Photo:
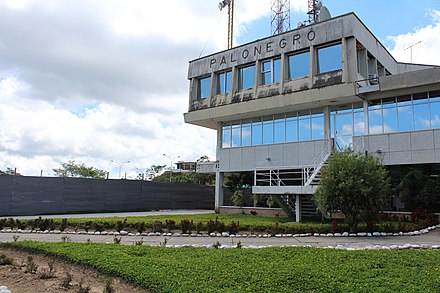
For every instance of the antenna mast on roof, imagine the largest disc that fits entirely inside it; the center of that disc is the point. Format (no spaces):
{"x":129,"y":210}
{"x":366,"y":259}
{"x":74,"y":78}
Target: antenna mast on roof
{"x":314,"y":7}
{"x":230,"y":4}
{"x":280,"y":21}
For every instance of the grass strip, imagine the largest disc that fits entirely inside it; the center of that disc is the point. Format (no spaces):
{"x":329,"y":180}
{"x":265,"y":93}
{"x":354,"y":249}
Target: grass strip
{"x":276,"y":269}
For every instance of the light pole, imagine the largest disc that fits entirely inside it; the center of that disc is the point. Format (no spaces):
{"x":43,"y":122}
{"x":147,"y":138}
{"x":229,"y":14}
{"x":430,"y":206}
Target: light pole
{"x":120,"y":166}
{"x":171,"y":163}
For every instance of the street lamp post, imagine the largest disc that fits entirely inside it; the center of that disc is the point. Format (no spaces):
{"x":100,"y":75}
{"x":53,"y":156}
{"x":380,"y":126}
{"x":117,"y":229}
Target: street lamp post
{"x":120,"y":166}
{"x":171,"y":164}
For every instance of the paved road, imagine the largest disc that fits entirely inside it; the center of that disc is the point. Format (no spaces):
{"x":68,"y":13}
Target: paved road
{"x":431,"y":238}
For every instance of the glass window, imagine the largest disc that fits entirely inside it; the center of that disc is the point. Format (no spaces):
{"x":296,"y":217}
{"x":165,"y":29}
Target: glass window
{"x":358,"y":123}
{"x":246,"y":134}
{"x":204,"y":88}
{"x":434,"y":96}
{"x":279,"y":130}
{"x":389,"y":120}
{"x":299,"y":65}
{"x":271,"y":71}
{"x":435,"y":115}
{"x":304,"y":128}
{"x":405,"y":118}
{"x":375,"y":121}
{"x":330,"y":58}
{"x":317,"y":126}
{"x":246,"y":77}
{"x":344,"y":124}
{"x":226,"y":137}
{"x":224,"y":82}
{"x":257,"y":133}
{"x":236,"y":135}
{"x":268,"y":131}
{"x":421,"y":117}
{"x":291,"y":129}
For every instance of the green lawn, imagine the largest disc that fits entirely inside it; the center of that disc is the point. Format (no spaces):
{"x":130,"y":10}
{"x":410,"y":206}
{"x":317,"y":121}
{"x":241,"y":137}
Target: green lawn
{"x":257,"y":270}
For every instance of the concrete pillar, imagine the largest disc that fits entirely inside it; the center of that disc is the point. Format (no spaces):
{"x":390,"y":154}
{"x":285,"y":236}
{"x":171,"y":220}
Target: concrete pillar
{"x":327,"y":124}
{"x":297,"y":208}
{"x":219,"y":178}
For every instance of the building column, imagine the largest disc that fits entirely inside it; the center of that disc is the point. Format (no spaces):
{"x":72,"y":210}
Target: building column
{"x":327,"y":129}
{"x":297,"y":208}
{"x":219,"y":178}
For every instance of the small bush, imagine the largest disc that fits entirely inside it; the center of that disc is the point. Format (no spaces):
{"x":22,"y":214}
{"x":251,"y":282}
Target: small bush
{"x":20,"y":225}
{"x":65,"y":238}
{"x":64,"y":224}
{"x":99,"y":227}
{"x":186,"y":226}
{"x":234,"y":227}
{"x":87,"y":225}
{"x":15,"y":238}
{"x":117,"y":240}
{"x":139,"y":242}
{"x":140,"y":227}
{"x":199,"y":227}
{"x":49,"y":272}
{"x":171,"y":225}
{"x":5,"y":260}
{"x":120,"y":225}
{"x":31,"y":266}
{"x":157,"y":226}
{"x":253,"y":213}
{"x":109,"y":287}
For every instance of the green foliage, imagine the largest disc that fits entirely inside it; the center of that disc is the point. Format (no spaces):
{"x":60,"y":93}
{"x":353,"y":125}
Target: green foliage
{"x":185,"y":177}
{"x":72,"y":169}
{"x":5,"y":260}
{"x":10,"y":171}
{"x":275,"y":269}
{"x":355,"y":184}
{"x":237,"y":198}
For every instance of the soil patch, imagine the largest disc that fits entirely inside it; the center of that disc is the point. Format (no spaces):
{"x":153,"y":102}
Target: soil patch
{"x":18,"y":280}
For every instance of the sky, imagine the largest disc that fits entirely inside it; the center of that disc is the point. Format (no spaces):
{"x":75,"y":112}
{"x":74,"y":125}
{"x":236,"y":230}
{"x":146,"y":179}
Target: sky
{"x":104,"y":82}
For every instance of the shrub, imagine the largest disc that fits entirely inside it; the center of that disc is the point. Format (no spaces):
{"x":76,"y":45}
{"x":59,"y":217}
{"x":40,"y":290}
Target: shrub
{"x":186,"y":226}
{"x":109,"y":287}
{"x":99,"y":227}
{"x":31,"y":266}
{"x":157,"y":226}
{"x":64,"y":224}
{"x":49,"y":272}
{"x":88,"y":225}
{"x":171,"y":225}
{"x":234,"y":227}
{"x":65,"y":281}
{"x":199,"y":227}
{"x":120,"y":225}
{"x":5,"y":260}
{"x":140,"y":227}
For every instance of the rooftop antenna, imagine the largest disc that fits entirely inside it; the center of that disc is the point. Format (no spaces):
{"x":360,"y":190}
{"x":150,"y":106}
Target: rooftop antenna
{"x":280,"y":21}
{"x":230,"y":4}
{"x":411,"y":47}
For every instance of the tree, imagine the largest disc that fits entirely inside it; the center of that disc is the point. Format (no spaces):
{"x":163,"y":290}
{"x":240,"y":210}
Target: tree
{"x":153,"y":171}
{"x":72,"y":169}
{"x":355,"y":184}
{"x":10,"y":171}
{"x":237,"y":184}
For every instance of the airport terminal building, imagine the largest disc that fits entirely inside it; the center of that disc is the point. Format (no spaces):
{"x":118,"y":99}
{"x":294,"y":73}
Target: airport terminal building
{"x":281,"y":104}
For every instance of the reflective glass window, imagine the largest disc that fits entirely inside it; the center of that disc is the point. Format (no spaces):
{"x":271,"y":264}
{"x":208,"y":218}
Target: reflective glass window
{"x":435,"y":115}
{"x":434,"y":96}
{"x":276,"y":70}
{"x":291,"y":129}
{"x":236,"y":135}
{"x":279,"y":130}
{"x":268,"y":132}
{"x":317,"y":126}
{"x":304,"y":128}
{"x":375,"y":121}
{"x":344,"y":124}
{"x":257,"y":133}
{"x":358,"y":123}
{"x":389,"y":120}
{"x":204,"y":88}
{"x":226,"y":137}
{"x":404,"y":100}
{"x":329,"y":58}
{"x":270,"y":71}
{"x":246,"y":134}
{"x":246,"y":77}
{"x":299,"y":65}
{"x":405,"y":118}
{"x":224,"y":80}
{"x":421,"y":117}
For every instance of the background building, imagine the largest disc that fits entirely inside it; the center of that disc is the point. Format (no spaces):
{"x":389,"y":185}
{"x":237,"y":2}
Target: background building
{"x":280,"y":105}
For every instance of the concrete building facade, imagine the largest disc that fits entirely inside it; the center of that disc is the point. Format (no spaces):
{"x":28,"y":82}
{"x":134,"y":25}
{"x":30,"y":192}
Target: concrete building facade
{"x":280,"y":104}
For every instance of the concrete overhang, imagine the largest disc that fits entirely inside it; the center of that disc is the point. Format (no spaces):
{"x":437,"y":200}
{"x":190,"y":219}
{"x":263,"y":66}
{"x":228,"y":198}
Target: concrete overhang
{"x":297,"y":101}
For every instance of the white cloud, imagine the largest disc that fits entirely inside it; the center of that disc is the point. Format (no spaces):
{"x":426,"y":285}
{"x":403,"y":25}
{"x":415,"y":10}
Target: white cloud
{"x":425,"y":52}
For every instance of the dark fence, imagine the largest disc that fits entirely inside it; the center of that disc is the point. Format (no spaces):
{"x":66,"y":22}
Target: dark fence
{"x":20,"y":195}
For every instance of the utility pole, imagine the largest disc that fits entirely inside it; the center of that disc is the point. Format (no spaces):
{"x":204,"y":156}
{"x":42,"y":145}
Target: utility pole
{"x":171,"y":164}
{"x":230,"y":5}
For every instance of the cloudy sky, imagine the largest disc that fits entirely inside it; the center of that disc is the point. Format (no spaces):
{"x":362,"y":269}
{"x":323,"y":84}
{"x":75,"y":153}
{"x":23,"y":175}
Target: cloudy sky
{"x":102,"y":80}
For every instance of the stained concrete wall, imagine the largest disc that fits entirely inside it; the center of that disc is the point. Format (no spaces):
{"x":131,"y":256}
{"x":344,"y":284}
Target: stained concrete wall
{"x":39,"y":195}
{"x":268,"y":156}
{"x":412,"y":147}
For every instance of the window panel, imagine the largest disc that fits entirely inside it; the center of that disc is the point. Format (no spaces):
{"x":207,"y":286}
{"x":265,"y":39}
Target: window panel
{"x":434,"y":96}
{"x":421,"y":117}
{"x":317,"y":126}
{"x":359,"y":123}
{"x":257,"y":133}
{"x":330,"y":58}
{"x":299,"y":65}
{"x":405,"y":118}
{"x":204,"y":88}
{"x":435,"y":115}
{"x":304,"y":128}
{"x":344,"y":124}
{"x":224,"y":82}
{"x":226,"y":137}
{"x":236,"y":136}
{"x":390,"y":120}
{"x":276,"y":70}
{"x":268,"y":132}
{"x":246,"y":134}
{"x":279,"y":130}
{"x":247,"y":77}
{"x":291,"y":130}
{"x":375,"y":121}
